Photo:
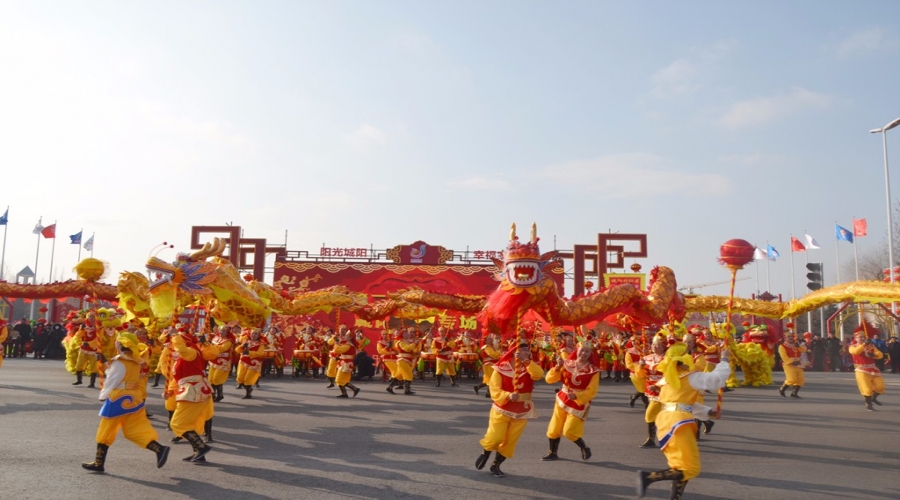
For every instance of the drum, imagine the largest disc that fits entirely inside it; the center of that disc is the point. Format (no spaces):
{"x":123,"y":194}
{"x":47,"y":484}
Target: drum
{"x":303,"y":354}
{"x":428,"y":356}
{"x":467,"y":357}
{"x":270,"y":353}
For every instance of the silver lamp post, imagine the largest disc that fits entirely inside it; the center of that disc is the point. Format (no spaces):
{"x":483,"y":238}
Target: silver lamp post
{"x":887,"y":186}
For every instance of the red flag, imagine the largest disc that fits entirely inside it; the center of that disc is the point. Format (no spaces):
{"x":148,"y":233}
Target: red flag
{"x":859,"y":227}
{"x":796,"y":246}
{"x":49,"y":231}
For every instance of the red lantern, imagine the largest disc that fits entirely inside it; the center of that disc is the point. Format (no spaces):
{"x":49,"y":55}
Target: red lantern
{"x":636,"y":267}
{"x":43,"y":309}
{"x":736,"y":253}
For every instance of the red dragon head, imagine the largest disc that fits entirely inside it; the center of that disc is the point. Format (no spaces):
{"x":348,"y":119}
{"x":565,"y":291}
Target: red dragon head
{"x":523,"y":267}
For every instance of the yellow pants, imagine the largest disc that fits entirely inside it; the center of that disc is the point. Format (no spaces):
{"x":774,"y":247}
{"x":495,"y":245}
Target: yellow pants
{"x":246,"y":376}
{"x":135,"y":427}
{"x":681,"y":451}
{"x":652,"y":411}
{"x":869,"y":385}
{"x":218,"y":377}
{"x":86,"y":363}
{"x":391,"y":365}
{"x":170,"y":403}
{"x":191,"y":416}
{"x":448,"y":367}
{"x":793,"y":375}
{"x":502,"y":434}
{"x":404,"y":371}
{"x":331,"y":371}
{"x":488,"y":371}
{"x":639,"y":383}
{"x":342,"y":378}
{"x":564,"y":424}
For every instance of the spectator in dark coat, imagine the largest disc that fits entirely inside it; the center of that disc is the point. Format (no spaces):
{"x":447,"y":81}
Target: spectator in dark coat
{"x":833,"y":349}
{"x":894,"y":351}
{"x":365,"y":366}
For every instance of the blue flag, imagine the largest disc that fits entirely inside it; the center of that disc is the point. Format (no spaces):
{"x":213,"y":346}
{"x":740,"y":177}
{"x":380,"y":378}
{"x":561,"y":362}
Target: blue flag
{"x":771,"y":253}
{"x":76,"y":238}
{"x":5,"y":218}
{"x":843,"y":234}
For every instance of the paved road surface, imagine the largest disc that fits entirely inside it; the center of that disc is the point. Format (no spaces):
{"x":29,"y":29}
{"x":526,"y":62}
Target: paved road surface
{"x":295,"y":440}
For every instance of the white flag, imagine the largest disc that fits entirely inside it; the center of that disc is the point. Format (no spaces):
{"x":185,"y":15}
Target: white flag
{"x":89,"y":244}
{"x":760,"y":254}
{"x":38,"y":228}
{"x":811,"y":243}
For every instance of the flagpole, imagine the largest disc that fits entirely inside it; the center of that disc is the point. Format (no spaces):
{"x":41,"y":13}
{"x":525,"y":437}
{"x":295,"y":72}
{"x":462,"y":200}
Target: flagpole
{"x":37,"y":254}
{"x":92,"y":245}
{"x":3,"y":258}
{"x":792,"y":267}
{"x":757,"y":278}
{"x":856,"y":259}
{"x":768,"y":281}
{"x":837,"y":247}
{"x":81,"y":232}
{"x":52,"y":253}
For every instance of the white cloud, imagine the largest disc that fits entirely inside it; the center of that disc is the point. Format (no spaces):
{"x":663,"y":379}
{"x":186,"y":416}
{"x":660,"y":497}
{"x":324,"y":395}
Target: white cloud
{"x":867,"y":41}
{"x":479,"y":183}
{"x":676,"y":78}
{"x":636,"y":175}
{"x":685,"y":75}
{"x":367,"y":136}
{"x":767,"y":109}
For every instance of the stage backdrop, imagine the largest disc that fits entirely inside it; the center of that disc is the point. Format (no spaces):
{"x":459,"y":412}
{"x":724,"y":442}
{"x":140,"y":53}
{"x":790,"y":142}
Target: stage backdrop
{"x":416,"y":265}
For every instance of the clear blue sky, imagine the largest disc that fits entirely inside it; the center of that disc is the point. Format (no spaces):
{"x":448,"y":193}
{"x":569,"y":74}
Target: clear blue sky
{"x":379,"y":123}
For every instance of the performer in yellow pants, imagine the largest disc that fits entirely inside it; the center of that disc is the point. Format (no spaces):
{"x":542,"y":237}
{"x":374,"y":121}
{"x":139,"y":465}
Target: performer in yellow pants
{"x":676,"y":427}
{"x":443,"y":348}
{"x":490,"y":353}
{"x":790,"y":351}
{"x":407,"y":351}
{"x":580,"y":375}
{"x":4,"y":333}
{"x":511,"y":386}
{"x":193,"y":399}
{"x":252,"y":352}
{"x":649,"y":371}
{"x":387,"y":350}
{"x":868,"y":377}
{"x":123,"y":406}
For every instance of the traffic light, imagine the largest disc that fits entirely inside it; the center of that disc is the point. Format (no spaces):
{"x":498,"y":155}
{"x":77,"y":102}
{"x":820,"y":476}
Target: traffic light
{"x":815,"y":276}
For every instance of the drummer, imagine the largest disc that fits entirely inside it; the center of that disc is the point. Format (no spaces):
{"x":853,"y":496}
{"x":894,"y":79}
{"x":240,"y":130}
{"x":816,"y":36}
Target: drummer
{"x":305,"y":346}
{"x":443,"y":348}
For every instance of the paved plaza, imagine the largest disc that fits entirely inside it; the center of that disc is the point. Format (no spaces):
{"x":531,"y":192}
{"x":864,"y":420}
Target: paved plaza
{"x":295,"y":440}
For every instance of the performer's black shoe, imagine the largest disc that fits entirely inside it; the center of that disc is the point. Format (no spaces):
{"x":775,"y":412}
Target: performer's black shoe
{"x":875,"y":399}
{"x":99,"y":459}
{"x":585,"y":451}
{"x":343,"y":393}
{"x":869,"y":403}
{"x":708,"y":424}
{"x":782,"y":389}
{"x":495,"y":467}
{"x":482,"y":459}
{"x":645,"y":479}
{"x":554,"y":448}
{"x":795,"y":391}
{"x":634,"y":397}
{"x":162,"y":453}
{"x":354,"y":389}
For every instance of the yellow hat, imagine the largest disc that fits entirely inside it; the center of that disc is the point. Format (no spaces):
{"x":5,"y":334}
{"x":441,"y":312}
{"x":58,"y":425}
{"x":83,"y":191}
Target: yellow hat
{"x":669,"y":366}
{"x":129,"y":341}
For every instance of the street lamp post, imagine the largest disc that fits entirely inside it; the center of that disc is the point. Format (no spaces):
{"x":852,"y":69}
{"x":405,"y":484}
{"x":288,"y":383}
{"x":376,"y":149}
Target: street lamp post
{"x":887,"y":186}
